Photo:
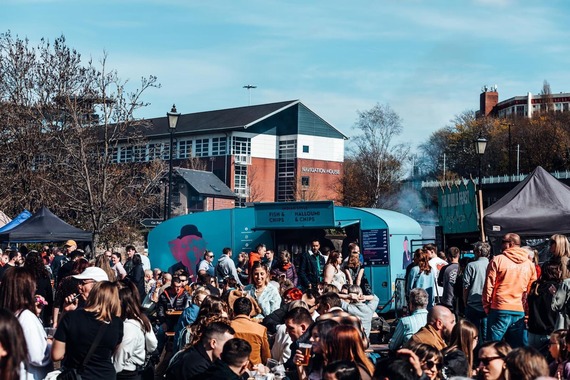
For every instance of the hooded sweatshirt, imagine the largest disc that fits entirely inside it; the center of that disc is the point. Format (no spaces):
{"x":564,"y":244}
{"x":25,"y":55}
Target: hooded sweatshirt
{"x":509,"y":276}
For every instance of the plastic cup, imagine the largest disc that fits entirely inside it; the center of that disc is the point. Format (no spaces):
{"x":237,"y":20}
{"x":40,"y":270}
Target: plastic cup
{"x":50,"y":331}
{"x":306,"y":350}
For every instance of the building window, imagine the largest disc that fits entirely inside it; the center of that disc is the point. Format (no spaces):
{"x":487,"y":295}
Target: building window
{"x":286,"y":171}
{"x":240,"y":184}
{"x":305,"y":181}
{"x":202,"y":148}
{"x":140,"y":153}
{"x":184,"y":148}
{"x":154,"y":151}
{"x":165,"y":151}
{"x":241,"y":146}
{"x":564,"y":107}
{"x":126,"y":154}
{"x":305,"y":149}
{"x":218,"y":146}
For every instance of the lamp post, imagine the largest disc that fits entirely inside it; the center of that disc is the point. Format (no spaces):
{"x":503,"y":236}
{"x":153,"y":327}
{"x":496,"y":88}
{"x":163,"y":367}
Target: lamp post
{"x":172,"y":121}
{"x":480,"y":146}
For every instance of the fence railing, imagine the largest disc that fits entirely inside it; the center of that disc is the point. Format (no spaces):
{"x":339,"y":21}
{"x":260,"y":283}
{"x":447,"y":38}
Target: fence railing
{"x":495,"y":179}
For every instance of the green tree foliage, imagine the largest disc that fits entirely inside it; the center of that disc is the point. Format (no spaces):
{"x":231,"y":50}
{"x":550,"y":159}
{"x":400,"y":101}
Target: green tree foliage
{"x":373,"y":167}
{"x":61,"y":122}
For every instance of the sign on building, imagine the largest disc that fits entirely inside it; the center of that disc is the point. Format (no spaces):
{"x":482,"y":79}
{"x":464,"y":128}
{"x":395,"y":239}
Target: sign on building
{"x":458,"y":208}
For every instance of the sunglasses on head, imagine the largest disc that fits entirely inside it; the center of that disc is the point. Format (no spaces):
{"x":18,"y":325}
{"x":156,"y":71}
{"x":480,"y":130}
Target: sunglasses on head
{"x":431,"y":364}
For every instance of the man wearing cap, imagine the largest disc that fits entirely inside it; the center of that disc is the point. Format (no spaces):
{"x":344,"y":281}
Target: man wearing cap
{"x":87,"y":279}
{"x":69,"y":246}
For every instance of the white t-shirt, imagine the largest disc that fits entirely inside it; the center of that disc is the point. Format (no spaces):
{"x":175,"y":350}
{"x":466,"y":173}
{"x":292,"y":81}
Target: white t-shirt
{"x":436,"y":264}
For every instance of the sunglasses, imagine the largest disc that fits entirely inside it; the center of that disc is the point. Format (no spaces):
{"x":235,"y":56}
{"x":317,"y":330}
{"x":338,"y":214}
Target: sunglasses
{"x":210,"y":256}
{"x":486,"y":361}
{"x":431,"y":364}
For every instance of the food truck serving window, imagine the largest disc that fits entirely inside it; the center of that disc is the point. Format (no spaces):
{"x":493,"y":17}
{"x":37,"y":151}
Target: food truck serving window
{"x":375,"y":247}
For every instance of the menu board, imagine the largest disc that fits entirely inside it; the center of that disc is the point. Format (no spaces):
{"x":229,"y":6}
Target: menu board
{"x":375,"y":247}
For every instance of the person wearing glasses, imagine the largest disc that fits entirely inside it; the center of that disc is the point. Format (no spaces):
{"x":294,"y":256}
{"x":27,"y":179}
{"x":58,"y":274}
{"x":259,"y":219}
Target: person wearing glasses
{"x":492,"y":360}
{"x":431,"y":360}
{"x":87,"y":280}
{"x":206,"y":264}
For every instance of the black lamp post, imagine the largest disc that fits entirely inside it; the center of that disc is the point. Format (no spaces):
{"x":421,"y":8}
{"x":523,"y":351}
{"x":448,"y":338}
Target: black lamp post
{"x":172,"y":121}
{"x":480,"y":146}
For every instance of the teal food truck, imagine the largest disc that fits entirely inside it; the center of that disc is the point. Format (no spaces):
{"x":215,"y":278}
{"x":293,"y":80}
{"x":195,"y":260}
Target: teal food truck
{"x":385,"y":237}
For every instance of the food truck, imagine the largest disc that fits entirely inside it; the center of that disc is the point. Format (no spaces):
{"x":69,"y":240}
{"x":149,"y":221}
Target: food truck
{"x":385,"y":237}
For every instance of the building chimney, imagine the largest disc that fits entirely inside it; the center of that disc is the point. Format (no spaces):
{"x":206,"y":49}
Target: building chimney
{"x":487,"y":101}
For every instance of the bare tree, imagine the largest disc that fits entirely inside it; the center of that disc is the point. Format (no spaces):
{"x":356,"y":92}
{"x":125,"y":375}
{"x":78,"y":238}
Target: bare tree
{"x":376,"y":161}
{"x":72,"y":122}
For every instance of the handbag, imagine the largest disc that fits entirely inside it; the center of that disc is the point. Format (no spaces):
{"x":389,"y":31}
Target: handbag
{"x":75,"y":373}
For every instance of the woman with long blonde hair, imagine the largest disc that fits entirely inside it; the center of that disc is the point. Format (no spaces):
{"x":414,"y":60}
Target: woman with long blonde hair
{"x":560,"y":251}
{"x":78,"y":330}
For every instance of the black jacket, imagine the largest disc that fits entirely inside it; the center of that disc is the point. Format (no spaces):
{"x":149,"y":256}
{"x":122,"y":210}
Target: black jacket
{"x":308,"y":270}
{"x":168,"y":300}
{"x":217,"y":371}
{"x":188,"y":363}
{"x":541,"y":318}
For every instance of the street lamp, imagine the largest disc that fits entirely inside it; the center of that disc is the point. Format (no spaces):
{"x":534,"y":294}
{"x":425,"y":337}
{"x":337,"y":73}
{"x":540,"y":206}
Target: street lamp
{"x":480,"y":146}
{"x":172,"y":121}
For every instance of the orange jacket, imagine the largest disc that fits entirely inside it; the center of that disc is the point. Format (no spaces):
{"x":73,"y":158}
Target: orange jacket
{"x":509,"y":276}
{"x":253,"y":257}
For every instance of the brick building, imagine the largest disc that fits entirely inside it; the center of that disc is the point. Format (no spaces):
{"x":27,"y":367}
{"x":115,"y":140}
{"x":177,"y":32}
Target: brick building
{"x":520,"y":106}
{"x":263,"y":153}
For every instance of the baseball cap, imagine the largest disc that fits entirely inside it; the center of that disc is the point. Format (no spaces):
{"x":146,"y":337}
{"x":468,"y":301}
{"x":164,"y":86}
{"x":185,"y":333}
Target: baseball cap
{"x":70,"y":243}
{"x":92,"y":273}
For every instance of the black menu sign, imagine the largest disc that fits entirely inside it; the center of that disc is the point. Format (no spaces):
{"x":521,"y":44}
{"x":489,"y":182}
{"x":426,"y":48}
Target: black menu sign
{"x":375,"y":247}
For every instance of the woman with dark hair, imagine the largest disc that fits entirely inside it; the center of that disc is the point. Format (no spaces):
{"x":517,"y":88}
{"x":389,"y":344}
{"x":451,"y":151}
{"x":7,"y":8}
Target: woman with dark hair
{"x":318,"y":332}
{"x":136,"y":275}
{"x":35,"y":264}
{"x":558,"y":353}
{"x":431,"y":360}
{"x":13,"y":348}
{"x":266,"y":295}
{"x":344,"y":342}
{"x":67,"y":286}
{"x":285,"y":268}
{"x":17,"y":294}
{"x":492,"y":360}
{"x":542,"y":320}
{"x":421,"y":276}
{"x":79,"y":329}
{"x":138,"y":338}
{"x":333,"y":273}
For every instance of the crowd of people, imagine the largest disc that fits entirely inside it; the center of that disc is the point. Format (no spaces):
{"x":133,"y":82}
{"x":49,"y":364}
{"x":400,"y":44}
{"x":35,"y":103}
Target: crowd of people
{"x":269,"y":315}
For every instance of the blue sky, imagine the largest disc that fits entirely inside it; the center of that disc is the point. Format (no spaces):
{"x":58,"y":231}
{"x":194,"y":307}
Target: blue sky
{"x":426,"y":59}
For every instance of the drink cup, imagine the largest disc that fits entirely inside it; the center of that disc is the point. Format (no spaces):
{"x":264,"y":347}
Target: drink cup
{"x":49,"y":332}
{"x":306,"y":350}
